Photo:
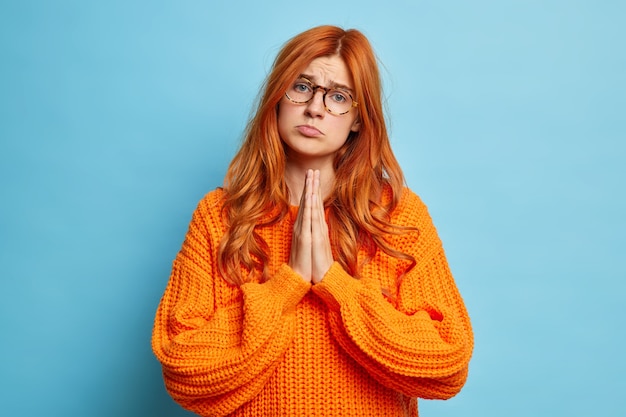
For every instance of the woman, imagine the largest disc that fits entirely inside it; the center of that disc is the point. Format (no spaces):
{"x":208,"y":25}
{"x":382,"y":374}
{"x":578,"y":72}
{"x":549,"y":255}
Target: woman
{"x":313,"y":283}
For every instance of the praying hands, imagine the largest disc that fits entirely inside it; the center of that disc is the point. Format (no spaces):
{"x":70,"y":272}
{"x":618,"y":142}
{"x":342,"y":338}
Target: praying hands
{"x":311,"y":256}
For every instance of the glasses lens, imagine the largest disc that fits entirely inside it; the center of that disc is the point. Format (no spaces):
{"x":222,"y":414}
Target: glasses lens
{"x":301,"y":91}
{"x":338,"y":101}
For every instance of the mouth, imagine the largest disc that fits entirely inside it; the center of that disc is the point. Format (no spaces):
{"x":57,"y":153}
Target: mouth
{"x":309,"y":131}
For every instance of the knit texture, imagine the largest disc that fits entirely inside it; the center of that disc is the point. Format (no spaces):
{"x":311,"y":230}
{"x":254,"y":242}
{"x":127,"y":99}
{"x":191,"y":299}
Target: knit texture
{"x":343,"y":347}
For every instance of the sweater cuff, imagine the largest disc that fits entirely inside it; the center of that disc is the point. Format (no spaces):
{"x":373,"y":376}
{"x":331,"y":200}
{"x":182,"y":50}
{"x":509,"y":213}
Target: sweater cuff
{"x":337,"y":287}
{"x":287,"y":285}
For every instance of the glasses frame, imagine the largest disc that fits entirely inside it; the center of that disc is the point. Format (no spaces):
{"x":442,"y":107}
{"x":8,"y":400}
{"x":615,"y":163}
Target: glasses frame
{"x":316,"y":87}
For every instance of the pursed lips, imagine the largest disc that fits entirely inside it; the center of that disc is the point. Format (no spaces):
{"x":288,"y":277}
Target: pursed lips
{"x":308,"y":130}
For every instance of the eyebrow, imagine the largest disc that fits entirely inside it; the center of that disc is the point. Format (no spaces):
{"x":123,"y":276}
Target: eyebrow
{"x":332,"y":83}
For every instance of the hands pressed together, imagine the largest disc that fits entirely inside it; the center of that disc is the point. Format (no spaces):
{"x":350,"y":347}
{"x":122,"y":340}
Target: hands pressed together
{"x":311,"y":255}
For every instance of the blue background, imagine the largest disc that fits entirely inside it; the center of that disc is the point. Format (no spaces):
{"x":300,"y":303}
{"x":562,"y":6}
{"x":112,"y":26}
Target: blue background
{"x":116,"y":117}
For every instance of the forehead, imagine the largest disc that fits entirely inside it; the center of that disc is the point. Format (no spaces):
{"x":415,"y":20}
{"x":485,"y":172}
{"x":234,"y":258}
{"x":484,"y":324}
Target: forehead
{"x":329,"y":71}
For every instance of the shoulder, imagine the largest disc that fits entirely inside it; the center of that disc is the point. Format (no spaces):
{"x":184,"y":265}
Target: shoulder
{"x":412,"y":213}
{"x":210,"y":209}
{"x":213,"y":200}
{"x":411,"y":210}
{"x":410,"y":198}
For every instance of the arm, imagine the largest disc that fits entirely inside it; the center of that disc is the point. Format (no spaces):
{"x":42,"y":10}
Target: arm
{"x":421,"y":343}
{"x":218,"y":344}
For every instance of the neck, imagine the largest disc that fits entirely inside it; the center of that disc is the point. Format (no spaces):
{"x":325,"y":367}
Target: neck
{"x":295,"y":173}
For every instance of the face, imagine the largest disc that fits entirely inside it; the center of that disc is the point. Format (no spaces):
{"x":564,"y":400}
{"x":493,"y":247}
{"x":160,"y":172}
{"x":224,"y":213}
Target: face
{"x":308,"y":130}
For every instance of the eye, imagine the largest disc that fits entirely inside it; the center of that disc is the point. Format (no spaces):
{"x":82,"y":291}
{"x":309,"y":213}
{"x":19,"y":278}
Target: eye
{"x":339,"y":96}
{"x":302,"y":87}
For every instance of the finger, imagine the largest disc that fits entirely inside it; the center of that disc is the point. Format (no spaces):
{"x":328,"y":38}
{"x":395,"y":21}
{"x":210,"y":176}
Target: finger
{"x":319,"y":219}
{"x":306,"y":186}
{"x":317,"y":191}
{"x":315,"y":181}
{"x":307,"y":204}
{"x":303,"y":193}
{"x":321,"y":252}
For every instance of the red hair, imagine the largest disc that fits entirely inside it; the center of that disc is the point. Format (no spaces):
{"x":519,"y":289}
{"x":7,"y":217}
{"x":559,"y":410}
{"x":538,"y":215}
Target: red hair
{"x":254,"y":185}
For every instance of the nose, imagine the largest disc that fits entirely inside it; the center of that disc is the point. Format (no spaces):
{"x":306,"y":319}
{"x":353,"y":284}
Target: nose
{"x":315,"y":107}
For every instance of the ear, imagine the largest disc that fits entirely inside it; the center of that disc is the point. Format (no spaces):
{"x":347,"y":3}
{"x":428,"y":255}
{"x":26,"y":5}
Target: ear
{"x":356,"y":125}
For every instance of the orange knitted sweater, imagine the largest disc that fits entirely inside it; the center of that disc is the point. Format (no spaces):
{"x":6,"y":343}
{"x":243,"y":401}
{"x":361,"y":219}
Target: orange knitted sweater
{"x":343,"y":347}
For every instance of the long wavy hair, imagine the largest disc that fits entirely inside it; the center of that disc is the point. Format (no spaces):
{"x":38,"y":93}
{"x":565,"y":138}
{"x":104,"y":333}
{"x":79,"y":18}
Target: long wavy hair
{"x":256,"y":194}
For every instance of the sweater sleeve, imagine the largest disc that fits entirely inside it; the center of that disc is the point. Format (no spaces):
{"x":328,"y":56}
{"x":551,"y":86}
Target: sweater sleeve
{"x":419,"y":343}
{"x":217,"y":352}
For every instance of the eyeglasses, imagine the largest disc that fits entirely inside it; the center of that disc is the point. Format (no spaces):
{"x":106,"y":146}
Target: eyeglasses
{"x":339,"y":100}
